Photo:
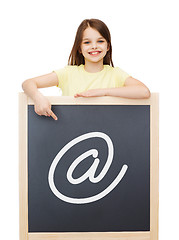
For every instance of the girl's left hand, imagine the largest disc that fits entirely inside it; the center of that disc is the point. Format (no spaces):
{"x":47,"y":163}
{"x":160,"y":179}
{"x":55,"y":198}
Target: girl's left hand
{"x":91,"y":93}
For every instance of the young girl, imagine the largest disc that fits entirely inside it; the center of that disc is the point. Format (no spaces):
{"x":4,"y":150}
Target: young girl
{"x":90,"y":71}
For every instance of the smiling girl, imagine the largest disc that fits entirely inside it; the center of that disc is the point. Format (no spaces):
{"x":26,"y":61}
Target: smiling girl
{"x":90,"y":71}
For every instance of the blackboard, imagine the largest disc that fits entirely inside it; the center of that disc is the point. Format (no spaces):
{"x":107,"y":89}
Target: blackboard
{"x":124,"y":208}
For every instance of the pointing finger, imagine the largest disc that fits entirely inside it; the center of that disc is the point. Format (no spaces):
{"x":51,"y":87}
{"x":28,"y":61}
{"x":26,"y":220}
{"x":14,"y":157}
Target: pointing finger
{"x":53,"y":115}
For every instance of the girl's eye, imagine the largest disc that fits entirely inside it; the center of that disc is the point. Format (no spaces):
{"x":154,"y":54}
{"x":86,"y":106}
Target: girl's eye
{"x":100,"y":41}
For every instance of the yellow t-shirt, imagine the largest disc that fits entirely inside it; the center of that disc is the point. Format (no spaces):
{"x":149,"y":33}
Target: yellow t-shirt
{"x":75,"y":79}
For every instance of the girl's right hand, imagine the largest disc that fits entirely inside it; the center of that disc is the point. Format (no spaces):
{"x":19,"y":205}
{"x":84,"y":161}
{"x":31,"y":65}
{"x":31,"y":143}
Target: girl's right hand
{"x":42,"y":106}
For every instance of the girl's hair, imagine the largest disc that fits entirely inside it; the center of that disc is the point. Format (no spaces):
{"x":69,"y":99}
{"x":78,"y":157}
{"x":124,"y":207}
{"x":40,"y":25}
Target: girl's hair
{"x":76,"y":58}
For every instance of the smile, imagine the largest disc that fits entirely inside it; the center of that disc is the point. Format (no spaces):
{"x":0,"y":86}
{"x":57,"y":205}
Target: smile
{"x":95,"y":53}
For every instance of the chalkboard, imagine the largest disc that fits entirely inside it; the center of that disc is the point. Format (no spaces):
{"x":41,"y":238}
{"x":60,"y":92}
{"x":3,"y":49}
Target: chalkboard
{"x":114,"y":195}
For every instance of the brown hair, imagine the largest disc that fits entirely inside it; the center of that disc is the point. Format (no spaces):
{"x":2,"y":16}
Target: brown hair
{"x":76,"y":58}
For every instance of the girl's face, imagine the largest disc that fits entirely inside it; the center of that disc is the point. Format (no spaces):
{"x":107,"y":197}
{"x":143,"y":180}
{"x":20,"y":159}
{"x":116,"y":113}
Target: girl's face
{"x":93,"y":47}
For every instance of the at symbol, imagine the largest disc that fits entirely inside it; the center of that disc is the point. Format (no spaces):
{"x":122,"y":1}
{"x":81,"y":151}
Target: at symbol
{"x":91,"y":171}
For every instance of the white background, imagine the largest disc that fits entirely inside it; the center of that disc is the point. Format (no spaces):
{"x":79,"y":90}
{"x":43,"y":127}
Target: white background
{"x":37,"y":37}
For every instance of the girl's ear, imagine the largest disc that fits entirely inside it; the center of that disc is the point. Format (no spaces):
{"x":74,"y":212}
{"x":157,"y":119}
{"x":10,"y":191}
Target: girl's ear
{"x":108,"y":47}
{"x":79,"y":50}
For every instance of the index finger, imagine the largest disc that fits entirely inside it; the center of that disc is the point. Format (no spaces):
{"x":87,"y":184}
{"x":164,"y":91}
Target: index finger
{"x":53,"y":115}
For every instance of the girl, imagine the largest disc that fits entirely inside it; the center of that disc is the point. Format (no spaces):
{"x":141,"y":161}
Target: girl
{"x":90,"y":71}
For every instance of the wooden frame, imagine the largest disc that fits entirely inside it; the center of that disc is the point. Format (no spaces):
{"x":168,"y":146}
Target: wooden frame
{"x":153,"y":101}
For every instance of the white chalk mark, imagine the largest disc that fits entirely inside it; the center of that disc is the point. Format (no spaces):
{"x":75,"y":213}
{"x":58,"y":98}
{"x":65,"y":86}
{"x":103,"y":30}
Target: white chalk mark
{"x":88,"y":174}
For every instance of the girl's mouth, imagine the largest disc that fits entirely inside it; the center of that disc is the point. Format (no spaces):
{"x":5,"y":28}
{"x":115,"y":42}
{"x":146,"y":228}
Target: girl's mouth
{"x":94,"y":53}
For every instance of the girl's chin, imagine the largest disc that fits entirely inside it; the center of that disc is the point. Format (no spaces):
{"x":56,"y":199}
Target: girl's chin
{"x":94,"y":59}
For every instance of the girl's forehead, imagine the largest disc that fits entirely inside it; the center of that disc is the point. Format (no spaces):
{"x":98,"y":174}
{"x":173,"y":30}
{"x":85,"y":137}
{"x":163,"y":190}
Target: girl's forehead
{"x":91,"y":33}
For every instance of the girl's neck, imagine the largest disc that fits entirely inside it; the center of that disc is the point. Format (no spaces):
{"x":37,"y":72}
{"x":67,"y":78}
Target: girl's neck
{"x":93,"y":67}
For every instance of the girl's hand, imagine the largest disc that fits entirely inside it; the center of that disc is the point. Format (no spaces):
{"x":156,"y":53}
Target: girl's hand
{"x":43,"y":107}
{"x":92,"y":93}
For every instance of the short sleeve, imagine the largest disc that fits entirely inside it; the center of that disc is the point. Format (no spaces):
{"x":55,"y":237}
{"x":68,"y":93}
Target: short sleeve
{"x":62,"y":76}
{"x":120,"y":77}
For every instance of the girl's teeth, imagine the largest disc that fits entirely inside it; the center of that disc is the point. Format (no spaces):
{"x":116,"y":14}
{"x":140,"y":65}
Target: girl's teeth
{"x":94,"y":52}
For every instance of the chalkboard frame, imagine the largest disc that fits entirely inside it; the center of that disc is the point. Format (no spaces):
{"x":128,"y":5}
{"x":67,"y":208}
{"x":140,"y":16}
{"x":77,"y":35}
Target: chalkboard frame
{"x":153,"y":101}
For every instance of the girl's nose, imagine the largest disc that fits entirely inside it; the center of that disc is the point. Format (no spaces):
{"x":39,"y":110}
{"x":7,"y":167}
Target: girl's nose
{"x":94,"y":46}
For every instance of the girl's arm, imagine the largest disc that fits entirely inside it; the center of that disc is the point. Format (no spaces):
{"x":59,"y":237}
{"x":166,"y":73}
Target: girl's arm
{"x":41,"y":104}
{"x":132,"y":88}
